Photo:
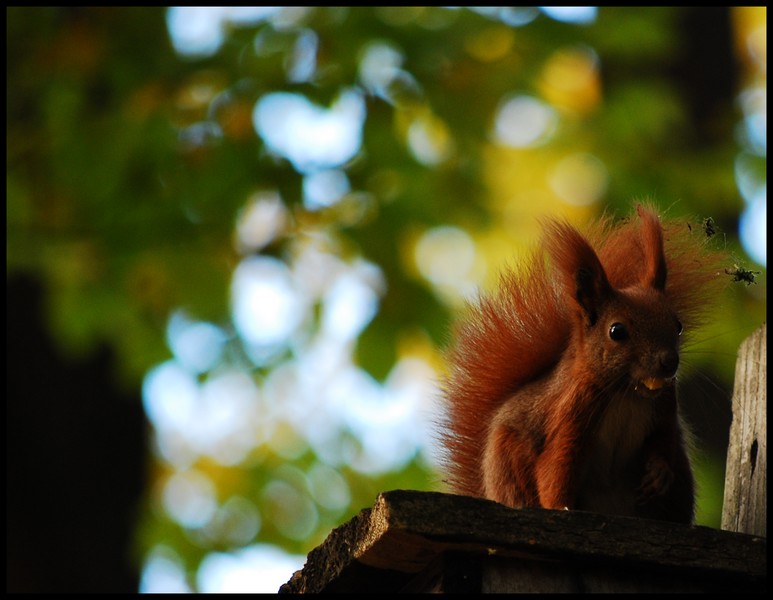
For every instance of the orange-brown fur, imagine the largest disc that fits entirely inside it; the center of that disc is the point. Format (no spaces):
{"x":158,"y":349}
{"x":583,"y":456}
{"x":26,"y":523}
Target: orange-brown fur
{"x":545,"y":407}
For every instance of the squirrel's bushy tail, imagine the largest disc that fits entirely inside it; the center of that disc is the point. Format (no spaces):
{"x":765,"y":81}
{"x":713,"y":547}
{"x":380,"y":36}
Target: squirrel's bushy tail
{"x":522,"y":330}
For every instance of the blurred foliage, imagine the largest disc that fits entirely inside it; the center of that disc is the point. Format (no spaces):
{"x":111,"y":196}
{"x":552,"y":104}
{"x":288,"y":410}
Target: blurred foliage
{"x":126,"y":220}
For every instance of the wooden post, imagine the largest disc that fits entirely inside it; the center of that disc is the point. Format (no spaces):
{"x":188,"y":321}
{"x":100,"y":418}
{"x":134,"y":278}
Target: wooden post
{"x":745,"y":503}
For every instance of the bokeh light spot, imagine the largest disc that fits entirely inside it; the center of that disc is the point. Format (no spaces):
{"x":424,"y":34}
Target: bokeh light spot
{"x":189,"y":498}
{"x":267,"y":306}
{"x":579,"y":179}
{"x":523,"y":121}
{"x":446,"y":256}
{"x":309,"y":136}
{"x":260,"y":568}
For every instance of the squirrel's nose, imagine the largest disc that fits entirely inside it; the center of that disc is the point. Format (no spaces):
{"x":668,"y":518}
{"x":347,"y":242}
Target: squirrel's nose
{"x":668,"y":362}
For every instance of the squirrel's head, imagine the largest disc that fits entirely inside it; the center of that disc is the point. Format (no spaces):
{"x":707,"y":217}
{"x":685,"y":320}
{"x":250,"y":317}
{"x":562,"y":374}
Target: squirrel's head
{"x":627,"y":336}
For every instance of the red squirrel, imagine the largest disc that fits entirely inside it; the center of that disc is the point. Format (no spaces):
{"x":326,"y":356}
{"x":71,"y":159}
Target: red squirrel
{"x":561,"y":391}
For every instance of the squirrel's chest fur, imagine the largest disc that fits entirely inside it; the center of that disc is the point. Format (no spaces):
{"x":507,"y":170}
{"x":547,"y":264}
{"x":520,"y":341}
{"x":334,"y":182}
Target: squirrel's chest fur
{"x":613,"y":459}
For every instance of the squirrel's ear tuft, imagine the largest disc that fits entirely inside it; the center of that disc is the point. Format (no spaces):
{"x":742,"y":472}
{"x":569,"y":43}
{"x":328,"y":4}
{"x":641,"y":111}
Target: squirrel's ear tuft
{"x":578,"y":268}
{"x":651,"y":232}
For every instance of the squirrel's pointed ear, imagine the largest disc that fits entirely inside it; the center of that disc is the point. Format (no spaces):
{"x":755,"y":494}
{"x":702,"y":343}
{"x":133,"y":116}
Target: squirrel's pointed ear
{"x":654,"y":271}
{"x":578,"y":267}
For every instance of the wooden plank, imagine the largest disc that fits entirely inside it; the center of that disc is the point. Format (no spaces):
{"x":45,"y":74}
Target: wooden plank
{"x":397,"y":541}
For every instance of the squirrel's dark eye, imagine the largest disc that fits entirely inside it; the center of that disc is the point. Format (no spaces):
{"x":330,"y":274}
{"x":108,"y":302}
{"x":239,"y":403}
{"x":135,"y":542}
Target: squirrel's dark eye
{"x":679,"y":327}
{"x":618,"y":332}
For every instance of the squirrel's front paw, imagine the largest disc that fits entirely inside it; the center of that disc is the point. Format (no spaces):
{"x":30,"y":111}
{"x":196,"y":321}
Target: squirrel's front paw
{"x":658,"y":477}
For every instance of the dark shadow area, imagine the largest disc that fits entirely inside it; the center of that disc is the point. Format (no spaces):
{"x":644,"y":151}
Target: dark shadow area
{"x":75,"y":461}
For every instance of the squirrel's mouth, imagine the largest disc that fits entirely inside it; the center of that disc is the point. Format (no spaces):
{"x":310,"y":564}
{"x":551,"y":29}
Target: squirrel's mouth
{"x":653,"y":384}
